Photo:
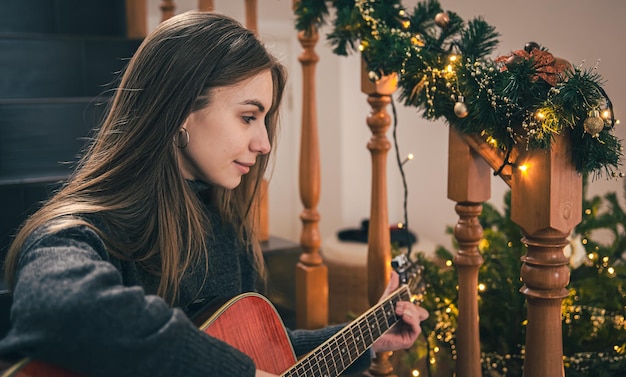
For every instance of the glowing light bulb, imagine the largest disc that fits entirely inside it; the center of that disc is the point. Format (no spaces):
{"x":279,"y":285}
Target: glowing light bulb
{"x":415,"y":373}
{"x":481,"y":287}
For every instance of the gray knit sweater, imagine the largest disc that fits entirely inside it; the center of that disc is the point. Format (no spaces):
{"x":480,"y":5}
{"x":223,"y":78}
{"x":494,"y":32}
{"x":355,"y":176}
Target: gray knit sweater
{"x":76,"y":306}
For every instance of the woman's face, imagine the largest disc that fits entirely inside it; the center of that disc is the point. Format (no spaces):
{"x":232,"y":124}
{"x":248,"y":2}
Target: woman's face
{"x":226,"y":137}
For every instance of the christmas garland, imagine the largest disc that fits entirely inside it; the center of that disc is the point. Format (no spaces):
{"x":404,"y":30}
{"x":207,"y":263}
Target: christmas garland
{"x":524,"y":99}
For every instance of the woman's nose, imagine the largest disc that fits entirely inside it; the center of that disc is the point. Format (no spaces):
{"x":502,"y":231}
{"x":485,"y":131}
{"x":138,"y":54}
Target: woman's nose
{"x":261,"y":142}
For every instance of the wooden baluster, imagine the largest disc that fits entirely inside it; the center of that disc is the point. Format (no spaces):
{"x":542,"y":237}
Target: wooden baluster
{"x":262,"y":198}
{"x":167,"y":9}
{"x":206,"y":5}
{"x":251,"y":15}
{"x":136,"y":19}
{"x":546,"y":202}
{"x":311,"y":272}
{"x":469,"y":184}
{"x":379,"y":240}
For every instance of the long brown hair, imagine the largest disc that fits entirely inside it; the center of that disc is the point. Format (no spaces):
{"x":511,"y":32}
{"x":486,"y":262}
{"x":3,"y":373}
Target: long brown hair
{"x":129,"y":175}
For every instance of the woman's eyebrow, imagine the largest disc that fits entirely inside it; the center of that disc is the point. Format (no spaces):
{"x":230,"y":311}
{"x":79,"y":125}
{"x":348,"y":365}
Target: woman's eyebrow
{"x":254,"y":102}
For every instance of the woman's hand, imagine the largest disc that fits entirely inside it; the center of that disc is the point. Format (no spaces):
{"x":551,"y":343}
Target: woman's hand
{"x":405,"y":332}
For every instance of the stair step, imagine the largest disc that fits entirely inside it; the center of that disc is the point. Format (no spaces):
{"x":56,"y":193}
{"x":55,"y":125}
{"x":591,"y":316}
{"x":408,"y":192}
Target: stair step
{"x":41,"y":66}
{"x":64,"y":17}
{"x":42,"y":138}
{"x":17,"y":202}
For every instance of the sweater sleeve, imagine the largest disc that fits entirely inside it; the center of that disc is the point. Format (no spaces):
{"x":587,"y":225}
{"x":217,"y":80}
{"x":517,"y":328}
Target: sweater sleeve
{"x":71,"y":309}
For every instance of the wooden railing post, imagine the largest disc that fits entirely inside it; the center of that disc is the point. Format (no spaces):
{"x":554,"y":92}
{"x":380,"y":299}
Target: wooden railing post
{"x":469,"y":184}
{"x":136,"y":19}
{"x":167,"y":9}
{"x":206,"y":5}
{"x":251,"y":15}
{"x":379,"y":240}
{"x":311,"y":272}
{"x":546,"y":202}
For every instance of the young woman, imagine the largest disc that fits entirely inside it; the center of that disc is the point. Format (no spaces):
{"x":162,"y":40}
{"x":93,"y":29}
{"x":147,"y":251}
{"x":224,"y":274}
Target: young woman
{"x":157,"y":216}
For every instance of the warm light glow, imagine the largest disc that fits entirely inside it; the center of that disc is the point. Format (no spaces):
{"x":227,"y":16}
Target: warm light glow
{"x":523,"y":168}
{"x":400,"y":225}
{"x":591,"y":256}
{"x":453,"y":58}
{"x":406,"y":24}
{"x":415,"y":373}
{"x":588,"y":211}
{"x":448,"y":263}
{"x":436,"y":349}
{"x":410,"y":156}
{"x":611,"y":270}
{"x":481,"y":287}
{"x":540,"y":116}
{"x":606,"y":114}
{"x":361,"y":47}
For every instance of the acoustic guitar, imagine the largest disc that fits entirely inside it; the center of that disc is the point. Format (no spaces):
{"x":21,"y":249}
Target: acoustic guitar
{"x":250,"y":323}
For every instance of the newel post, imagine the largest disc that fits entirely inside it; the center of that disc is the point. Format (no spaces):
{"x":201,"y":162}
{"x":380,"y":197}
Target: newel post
{"x":546,"y":202}
{"x":379,"y":240}
{"x":469,"y":184}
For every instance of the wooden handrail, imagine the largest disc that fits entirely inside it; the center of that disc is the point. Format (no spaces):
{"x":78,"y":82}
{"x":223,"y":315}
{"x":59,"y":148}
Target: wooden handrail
{"x":494,"y":157}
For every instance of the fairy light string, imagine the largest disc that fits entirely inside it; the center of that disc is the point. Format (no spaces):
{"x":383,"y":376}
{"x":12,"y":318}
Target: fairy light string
{"x":521,"y":100}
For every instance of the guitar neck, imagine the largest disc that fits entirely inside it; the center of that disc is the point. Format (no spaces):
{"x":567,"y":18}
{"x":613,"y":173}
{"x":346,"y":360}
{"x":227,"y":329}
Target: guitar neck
{"x":335,"y":355}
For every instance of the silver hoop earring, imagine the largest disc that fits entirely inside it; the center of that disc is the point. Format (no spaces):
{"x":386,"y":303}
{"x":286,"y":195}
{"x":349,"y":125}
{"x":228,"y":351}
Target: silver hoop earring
{"x":183,"y":136}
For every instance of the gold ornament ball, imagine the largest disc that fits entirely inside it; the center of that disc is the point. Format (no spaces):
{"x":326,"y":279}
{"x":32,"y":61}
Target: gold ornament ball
{"x":460,"y":109}
{"x":593,"y":125}
{"x":442,"y":19}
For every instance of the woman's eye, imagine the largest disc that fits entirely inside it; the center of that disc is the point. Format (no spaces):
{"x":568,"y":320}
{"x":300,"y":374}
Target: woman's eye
{"x":248,"y":119}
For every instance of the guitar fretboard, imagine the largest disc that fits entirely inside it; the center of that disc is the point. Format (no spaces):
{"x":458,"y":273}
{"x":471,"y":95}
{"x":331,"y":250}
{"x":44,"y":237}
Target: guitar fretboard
{"x":339,"y":352}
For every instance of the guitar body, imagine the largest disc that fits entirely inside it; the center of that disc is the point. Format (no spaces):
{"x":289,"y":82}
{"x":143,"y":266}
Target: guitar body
{"x":248,"y":322}
{"x":32,"y":368}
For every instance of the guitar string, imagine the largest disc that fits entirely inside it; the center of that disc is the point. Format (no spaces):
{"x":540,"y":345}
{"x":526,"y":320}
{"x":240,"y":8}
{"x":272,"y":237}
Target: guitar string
{"x":318,"y":361}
